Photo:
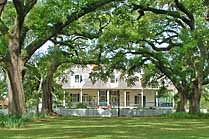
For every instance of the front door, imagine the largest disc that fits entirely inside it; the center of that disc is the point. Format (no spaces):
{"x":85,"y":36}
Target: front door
{"x":102,"y":98}
{"x":144,"y":101}
{"x":114,"y":98}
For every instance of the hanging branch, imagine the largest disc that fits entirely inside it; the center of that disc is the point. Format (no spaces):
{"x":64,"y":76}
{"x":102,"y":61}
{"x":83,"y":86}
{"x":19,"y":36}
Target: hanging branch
{"x":2,"y":4}
{"x":187,"y":19}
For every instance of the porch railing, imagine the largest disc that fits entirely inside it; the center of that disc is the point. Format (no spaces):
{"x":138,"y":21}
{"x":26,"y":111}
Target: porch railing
{"x":91,"y":104}
{"x":112,"y":112}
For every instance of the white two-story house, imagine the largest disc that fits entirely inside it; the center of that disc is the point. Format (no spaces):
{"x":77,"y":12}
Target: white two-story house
{"x":112,"y":94}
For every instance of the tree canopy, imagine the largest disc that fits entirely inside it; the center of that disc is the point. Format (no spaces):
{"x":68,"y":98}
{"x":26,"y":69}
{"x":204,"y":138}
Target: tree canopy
{"x":170,"y":34}
{"x":168,"y":39}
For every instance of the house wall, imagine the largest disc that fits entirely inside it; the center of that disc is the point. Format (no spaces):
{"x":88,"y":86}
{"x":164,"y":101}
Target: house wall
{"x":87,"y":83}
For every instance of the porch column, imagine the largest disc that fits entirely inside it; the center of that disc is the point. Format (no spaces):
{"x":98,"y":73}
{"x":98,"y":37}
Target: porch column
{"x":142,"y":95}
{"x":124,"y":98}
{"x":64,"y":101}
{"x":173,"y":100}
{"x":98,"y":97}
{"x":108,"y":97}
{"x":156,"y":99}
{"x":81,"y":94}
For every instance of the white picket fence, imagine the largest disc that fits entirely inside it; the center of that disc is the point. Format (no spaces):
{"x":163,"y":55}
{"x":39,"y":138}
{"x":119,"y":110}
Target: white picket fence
{"x":112,"y":112}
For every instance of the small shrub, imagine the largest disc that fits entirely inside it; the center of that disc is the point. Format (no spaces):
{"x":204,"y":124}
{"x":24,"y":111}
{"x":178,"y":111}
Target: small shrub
{"x":41,"y":115}
{"x":17,"y":121}
{"x":10,"y":121}
{"x":69,"y":104}
{"x":139,"y":107}
{"x":27,"y":117}
{"x":81,"y":105}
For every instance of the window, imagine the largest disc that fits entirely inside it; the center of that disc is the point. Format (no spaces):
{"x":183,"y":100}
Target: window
{"x":78,"y":78}
{"x":113,"y":79}
{"x":75,"y":97}
{"x":85,"y":98}
{"x":136,"y":99}
{"x":127,"y":98}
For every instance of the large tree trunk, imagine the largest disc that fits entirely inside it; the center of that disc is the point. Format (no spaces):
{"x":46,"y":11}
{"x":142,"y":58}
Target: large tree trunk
{"x":182,"y":92}
{"x":14,"y":67}
{"x":15,"y":85}
{"x":47,"y":96}
{"x":37,"y":105}
{"x":182,"y":102}
{"x":47,"y":87}
{"x":194,"y":105}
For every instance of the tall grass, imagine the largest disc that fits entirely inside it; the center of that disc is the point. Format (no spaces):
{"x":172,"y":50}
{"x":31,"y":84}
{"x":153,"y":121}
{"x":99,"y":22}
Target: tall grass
{"x":17,"y":121}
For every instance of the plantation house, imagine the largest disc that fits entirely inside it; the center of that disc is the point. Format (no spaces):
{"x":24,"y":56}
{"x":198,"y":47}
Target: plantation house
{"x":111,"y":94}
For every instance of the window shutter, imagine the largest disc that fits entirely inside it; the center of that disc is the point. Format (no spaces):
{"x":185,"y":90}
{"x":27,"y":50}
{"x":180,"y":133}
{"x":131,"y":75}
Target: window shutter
{"x":81,"y":79}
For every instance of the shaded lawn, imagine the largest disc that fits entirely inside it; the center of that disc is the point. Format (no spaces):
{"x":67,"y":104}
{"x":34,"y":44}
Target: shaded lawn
{"x":111,"y":128}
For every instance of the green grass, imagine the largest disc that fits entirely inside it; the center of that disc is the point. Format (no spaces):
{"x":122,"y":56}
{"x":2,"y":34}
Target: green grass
{"x":111,"y":128}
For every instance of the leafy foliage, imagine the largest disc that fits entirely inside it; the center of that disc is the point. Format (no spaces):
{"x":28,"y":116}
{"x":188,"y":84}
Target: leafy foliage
{"x":18,"y":121}
{"x":10,"y":121}
{"x":154,"y":35}
{"x":81,"y":105}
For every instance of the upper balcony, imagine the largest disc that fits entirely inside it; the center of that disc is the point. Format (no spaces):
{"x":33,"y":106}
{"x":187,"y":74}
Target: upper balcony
{"x":82,"y":80}
{"x":79,"y":78}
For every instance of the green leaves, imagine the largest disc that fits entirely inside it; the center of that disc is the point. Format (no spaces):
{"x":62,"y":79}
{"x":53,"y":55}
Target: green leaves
{"x":163,"y":92}
{"x":3,"y":47}
{"x":9,"y":15}
{"x":139,"y":35}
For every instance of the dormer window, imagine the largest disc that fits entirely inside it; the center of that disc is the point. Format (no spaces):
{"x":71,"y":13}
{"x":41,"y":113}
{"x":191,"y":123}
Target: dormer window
{"x":78,"y":78}
{"x":113,"y":79}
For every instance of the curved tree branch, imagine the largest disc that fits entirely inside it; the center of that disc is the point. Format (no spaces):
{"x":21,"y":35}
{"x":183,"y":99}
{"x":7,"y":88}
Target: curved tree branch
{"x":28,"y":6}
{"x":190,"y":16}
{"x":188,"y":19}
{"x":2,"y":4}
{"x":19,"y":6}
{"x":167,"y":71}
{"x":60,"y":26}
{"x":166,"y":40}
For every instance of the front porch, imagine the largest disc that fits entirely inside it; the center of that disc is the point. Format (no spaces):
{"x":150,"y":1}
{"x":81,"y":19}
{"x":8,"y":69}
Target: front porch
{"x":106,"y":98}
